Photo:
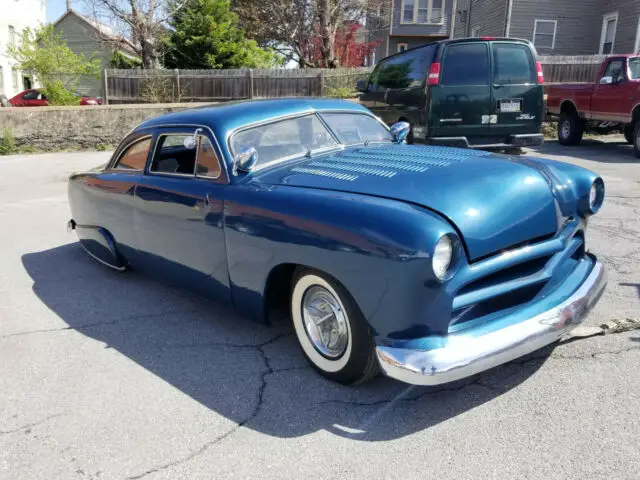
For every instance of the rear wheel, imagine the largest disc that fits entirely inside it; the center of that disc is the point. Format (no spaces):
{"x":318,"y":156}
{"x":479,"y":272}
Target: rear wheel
{"x":628,"y":133}
{"x":636,"y":139}
{"x":570,"y":129}
{"x":331,"y":330}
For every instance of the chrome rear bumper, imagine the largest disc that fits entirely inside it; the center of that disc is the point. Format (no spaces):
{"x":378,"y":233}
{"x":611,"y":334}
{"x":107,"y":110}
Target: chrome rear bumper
{"x":467,"y":354}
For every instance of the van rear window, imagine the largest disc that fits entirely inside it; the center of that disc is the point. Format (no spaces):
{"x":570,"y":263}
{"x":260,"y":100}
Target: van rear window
{"x":513,"y":64}
{"x":466,"y":64}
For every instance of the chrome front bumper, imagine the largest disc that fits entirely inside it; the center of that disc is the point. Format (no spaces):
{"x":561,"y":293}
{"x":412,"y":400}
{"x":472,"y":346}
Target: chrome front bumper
{"x":467,"y":354}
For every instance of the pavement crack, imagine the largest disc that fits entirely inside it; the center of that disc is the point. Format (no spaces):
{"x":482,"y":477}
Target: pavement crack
{"x":30,"y":425}
{"x":256,"y":410}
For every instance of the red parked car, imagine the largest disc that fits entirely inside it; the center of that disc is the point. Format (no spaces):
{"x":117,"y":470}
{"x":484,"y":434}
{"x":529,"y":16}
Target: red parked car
{"x":35,"y":98}
{"x":610,"y":104}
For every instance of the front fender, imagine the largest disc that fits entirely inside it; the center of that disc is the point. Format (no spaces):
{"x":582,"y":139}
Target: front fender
{"x":379,"y":249}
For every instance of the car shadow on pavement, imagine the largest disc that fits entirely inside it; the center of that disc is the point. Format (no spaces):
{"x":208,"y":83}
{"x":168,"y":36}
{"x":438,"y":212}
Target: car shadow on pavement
{"x":251,"y":374}
{"x":592,"y":150}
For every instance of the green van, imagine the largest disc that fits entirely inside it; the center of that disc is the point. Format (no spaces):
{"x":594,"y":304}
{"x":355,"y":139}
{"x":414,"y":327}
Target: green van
{"x":472,"y":92}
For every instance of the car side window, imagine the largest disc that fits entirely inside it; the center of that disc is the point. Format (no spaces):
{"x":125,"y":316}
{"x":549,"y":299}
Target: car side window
{"x":615,"y":70}
{"x":34,"y":95}
{"x":174,"y":154}
{"x":466,"y":64}
{"x":135,"y":156}
{"x":208,"y":163}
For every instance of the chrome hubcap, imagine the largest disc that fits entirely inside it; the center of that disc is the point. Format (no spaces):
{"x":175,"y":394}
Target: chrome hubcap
{"x":566,"y":129}
{"x":324,"y":322}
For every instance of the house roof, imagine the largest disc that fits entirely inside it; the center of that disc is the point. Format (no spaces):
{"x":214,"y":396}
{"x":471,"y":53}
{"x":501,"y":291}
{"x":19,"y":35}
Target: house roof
{"x":104,"y":32}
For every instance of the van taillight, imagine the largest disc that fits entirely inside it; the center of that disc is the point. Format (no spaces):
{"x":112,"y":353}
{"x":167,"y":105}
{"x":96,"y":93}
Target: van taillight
{"x":539,"y":73}
{"x":434,"y":74}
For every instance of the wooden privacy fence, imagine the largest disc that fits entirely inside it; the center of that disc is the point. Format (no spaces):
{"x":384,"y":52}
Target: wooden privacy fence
{"x":570,"y":69}
{"x":155,"y":86}
{"x":142,"y":86}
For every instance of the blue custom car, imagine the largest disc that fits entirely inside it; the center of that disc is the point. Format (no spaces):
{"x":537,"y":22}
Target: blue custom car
{"x":430,"y":263}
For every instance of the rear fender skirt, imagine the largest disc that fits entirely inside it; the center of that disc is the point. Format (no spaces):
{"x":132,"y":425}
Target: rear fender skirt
{"x":99,"y":243}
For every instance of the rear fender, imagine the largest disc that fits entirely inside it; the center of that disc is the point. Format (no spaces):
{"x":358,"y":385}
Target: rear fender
{"x":99,"y":243}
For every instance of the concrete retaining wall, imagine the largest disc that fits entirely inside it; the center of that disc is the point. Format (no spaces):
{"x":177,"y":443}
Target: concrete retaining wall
{"x":51,"y":128}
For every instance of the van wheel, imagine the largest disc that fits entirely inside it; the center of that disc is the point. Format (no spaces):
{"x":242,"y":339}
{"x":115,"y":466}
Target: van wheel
{"x":628,"y":133}
{"x":570,"y":129}
{"x":334,"y":335}
{"x":636,"y":139}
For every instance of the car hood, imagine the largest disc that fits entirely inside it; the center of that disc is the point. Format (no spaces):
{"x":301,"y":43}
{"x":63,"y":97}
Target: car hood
{"x":495,"y":201}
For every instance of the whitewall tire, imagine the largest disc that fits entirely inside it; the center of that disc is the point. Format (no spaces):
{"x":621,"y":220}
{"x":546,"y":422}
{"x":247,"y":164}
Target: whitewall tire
{"x":333,"y":334}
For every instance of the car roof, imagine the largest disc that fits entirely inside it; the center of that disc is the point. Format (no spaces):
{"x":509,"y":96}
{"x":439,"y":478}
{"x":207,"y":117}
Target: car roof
{"x":461,"y":40}
{"x":224,"y":117}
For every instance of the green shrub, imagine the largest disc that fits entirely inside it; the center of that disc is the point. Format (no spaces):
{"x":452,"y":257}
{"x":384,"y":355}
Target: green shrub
{"x":339,"y":92}
{"x":7,"y":142}
{"x":58,"y":95}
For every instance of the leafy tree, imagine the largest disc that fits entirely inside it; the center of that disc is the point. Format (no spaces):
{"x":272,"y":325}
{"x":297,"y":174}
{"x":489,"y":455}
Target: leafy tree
{"x":123,"y":62}
{"x":45,"y":54}
{"x":205,"y":34}
{"x":310,"y":31}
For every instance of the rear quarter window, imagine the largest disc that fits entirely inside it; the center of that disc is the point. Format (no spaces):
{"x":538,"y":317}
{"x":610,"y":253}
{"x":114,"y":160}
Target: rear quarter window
{"x":513,"y":64}
{"x":403,"y":71}
{"x":466,"y":64}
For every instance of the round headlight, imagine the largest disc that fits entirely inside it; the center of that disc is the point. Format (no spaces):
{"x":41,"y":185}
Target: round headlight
{"x":442,"y":255}
{"x":593,"y":197}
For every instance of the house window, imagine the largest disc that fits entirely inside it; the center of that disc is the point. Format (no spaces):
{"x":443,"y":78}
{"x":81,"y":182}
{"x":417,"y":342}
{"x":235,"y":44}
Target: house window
{"x":475,"y":32}
{"x":12,"y":35}
{"x":407,"y":10}
{"x":544,"y":33}
{"x":429,"y":12}
{"x":608,"y":35}
{"x":402,"y":47}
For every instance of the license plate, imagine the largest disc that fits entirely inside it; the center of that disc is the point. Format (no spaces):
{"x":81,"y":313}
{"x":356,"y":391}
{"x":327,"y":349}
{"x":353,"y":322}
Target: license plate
{"x":510,"y":106}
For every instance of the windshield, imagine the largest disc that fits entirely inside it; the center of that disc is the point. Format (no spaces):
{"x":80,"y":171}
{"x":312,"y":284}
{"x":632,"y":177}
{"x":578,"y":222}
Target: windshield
{"x":355,"y":128}
{"x":634,"y":68}
{"x":305,"y":135}
{"x":284,"y":139}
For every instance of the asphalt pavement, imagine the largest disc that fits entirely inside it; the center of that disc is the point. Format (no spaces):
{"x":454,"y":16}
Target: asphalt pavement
{"x":107,"y":375}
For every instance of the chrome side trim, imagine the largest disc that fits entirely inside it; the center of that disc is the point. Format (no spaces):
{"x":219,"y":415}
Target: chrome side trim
{"x":465,"y":355}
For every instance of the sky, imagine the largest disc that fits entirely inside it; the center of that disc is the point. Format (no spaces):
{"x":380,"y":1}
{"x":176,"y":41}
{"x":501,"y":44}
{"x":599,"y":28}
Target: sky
{"x":56,"y":8}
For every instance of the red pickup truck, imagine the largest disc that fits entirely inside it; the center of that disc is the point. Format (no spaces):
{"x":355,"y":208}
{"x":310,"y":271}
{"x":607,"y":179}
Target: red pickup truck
{"x":611,"y":104}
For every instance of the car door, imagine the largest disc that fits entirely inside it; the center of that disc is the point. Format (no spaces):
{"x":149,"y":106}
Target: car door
{"x":460,"y":105}
{"x":178,"y":216}
{"x":375,"y":96}
{"x":32,"y":98}
{"x":610,"y":94}
{"x":517,"y":98}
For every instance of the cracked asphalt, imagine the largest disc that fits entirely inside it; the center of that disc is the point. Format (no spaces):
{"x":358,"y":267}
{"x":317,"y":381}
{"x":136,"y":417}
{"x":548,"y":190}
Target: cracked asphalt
{"x":115,"y":376}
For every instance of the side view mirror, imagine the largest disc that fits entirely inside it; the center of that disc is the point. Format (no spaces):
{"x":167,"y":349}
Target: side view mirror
{"x":400,"y":131}
{"x":606,"y":80}
{"x":245,"y":160}
{"x":361,"y":86}
{"x":191,"y":142}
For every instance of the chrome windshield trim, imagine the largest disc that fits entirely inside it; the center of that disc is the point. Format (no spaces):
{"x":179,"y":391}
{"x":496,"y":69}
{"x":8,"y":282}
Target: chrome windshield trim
{"x":318,"y":114}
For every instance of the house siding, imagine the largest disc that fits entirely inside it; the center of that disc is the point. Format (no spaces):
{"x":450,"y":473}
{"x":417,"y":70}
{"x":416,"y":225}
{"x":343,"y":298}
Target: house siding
{"x":82,"y":40}
{"x":628,"y":15}
{"x":489,"y":16}
{"x":578,"y":27}
{"x":420,"y":30}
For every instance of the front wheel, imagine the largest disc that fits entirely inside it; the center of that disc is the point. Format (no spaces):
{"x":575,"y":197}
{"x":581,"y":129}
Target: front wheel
{"x":628,"y":133}
{"x":570,"y":129}
{"x":332,"y":332}
{"x":636,"y":139}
